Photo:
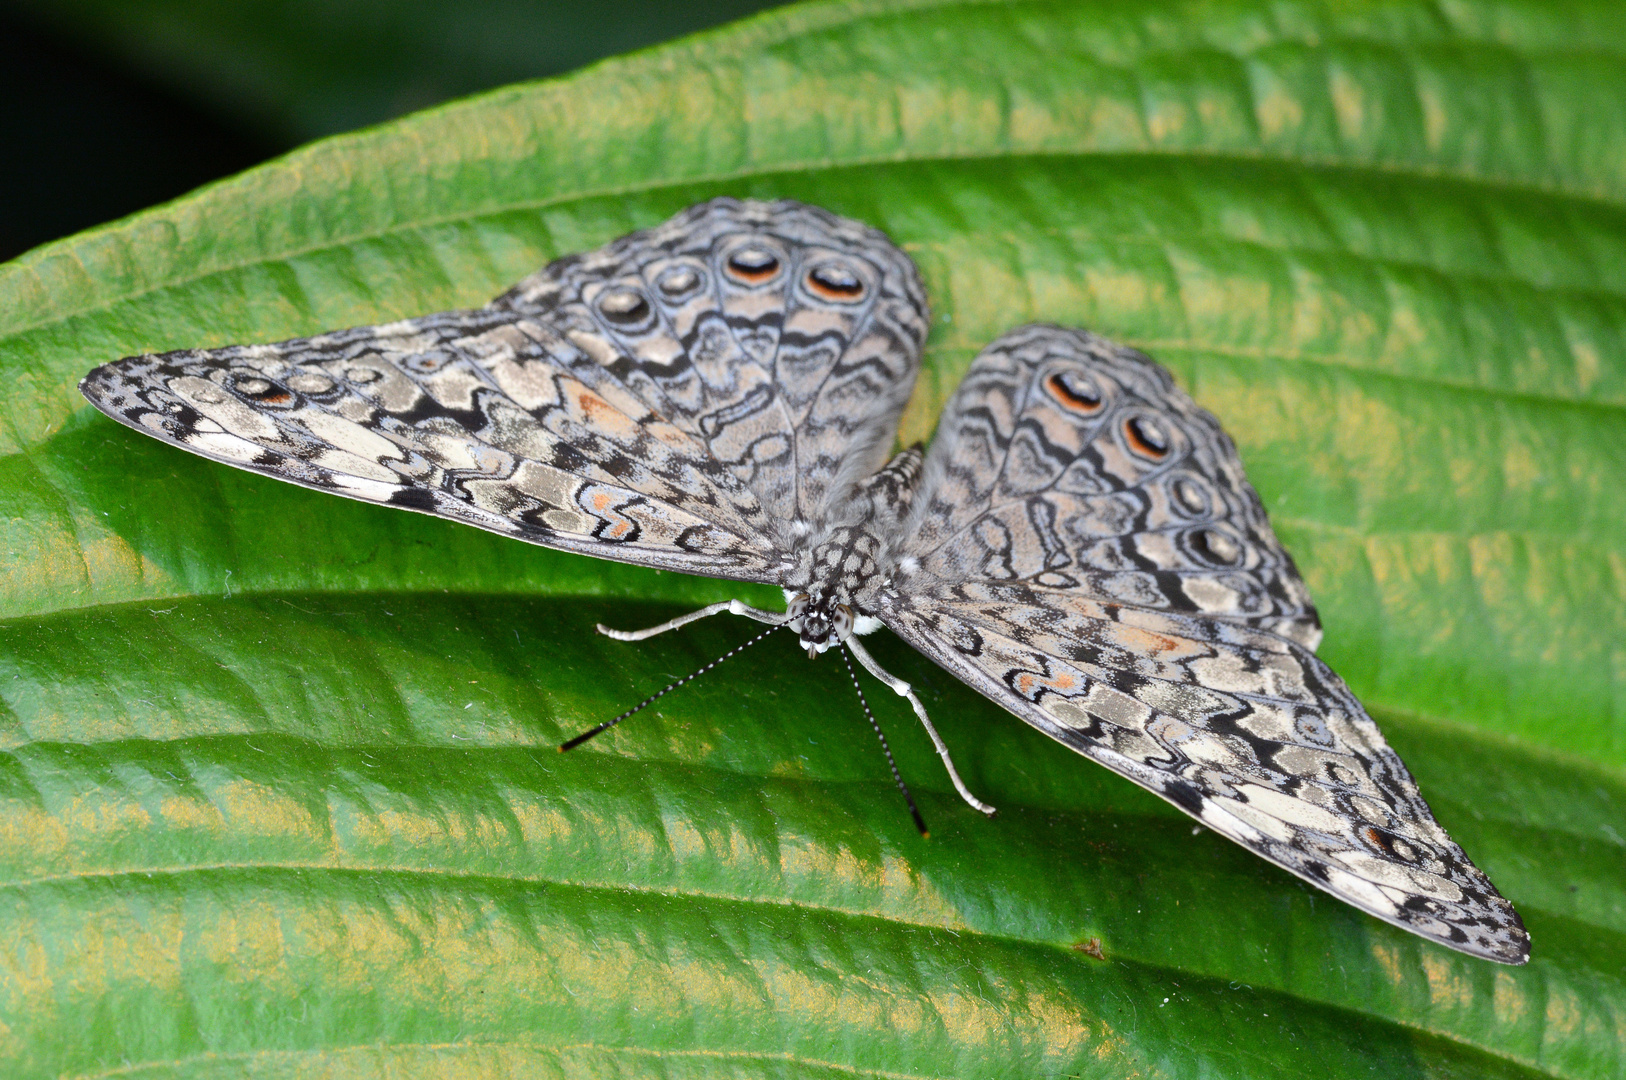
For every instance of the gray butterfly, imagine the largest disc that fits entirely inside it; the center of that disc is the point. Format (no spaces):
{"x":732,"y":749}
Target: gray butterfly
{"x":718,"y":395}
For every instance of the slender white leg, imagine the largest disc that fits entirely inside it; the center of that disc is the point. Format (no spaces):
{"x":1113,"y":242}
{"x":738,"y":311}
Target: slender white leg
{"x":902,"y":689}
{"x":733,"y":607}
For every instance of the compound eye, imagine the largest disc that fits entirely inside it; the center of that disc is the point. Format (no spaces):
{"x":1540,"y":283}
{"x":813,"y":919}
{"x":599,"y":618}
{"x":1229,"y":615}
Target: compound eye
{"x":1075,"y":391}
{"x":752,"y":265}
{"x":835,"y":282}
{"x":843,"y":623}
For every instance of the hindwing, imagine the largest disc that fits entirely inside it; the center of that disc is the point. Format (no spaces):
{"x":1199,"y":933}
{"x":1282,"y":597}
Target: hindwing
{"x":1072,"y":463}
{"x":1086,"y":552}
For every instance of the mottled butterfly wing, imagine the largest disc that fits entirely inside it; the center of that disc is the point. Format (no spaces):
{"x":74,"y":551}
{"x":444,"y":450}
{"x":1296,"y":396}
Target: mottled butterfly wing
{"x":783,"y":338}
{"x":709,"y":394}
{"x":666,"y":400}
{"x":483,"y":417}
{"x":1086,"y":551}
{"x":1069,"y":462}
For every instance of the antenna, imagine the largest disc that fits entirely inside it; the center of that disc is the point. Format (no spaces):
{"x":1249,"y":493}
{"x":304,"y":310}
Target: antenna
{"x":571,"y":744}
{"x":920,"y":822}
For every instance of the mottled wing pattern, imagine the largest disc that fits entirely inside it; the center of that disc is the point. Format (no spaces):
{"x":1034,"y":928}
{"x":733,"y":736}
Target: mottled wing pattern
{"x":1062,"y":450}
{"x":1082,"y":545}
{"x":1069,"y":462}
{"x":666,"y":400}
{"x":781,"y":337}
{"x":483,"y":417}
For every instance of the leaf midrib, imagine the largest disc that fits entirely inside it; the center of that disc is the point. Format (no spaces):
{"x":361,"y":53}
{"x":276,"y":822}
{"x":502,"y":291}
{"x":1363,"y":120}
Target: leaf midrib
{"x":477,"y":1045}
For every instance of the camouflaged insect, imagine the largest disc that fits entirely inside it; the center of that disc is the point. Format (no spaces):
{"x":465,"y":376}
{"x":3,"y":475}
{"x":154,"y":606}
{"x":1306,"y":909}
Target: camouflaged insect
{"x":718,"y":395}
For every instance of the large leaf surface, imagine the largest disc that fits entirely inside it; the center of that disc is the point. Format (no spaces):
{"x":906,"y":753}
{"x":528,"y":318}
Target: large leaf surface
{"x":278,"y":793}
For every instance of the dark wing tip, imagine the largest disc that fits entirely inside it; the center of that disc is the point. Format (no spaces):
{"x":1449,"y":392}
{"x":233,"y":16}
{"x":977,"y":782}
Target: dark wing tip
{"x":101,"y":386}
{"x":1514,"y":947}
{"x":94,"y":381}
{"x":1514,"y":952}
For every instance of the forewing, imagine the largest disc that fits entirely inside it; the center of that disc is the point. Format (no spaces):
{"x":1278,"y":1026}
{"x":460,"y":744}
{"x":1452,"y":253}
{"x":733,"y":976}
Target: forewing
{"x":485,"y":417}
{"x":1243,"y":729}
{"x":783,"y":338}
{"x":1069,"y":462}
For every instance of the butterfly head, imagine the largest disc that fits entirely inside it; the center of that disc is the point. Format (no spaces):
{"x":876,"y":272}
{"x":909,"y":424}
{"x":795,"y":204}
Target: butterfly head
{"x":820,"y":621}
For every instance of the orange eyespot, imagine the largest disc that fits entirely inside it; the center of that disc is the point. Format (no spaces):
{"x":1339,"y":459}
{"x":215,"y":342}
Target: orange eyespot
{"x":752,"y":265}
{"x":263,"y":391}
{"x":1146,"y":438}
{"x":1074,"y":392}
{"x":832,"y":281}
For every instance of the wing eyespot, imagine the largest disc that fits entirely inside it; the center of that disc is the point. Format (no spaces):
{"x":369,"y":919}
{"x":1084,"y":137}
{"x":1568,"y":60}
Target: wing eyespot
{"x":426,"y":363}
{"x":1146,"y":438}
{"x":752,"y":265}
{"x":679,"y":282}
{"x":203,"y":395}
{"x":310,"y":382}
{"x":624,"y":307}
{"x":261,"y":391}
{"x":1190,"y":496}
{"x":1075,"y":391}
{"x":1216,"y":547}
{"x":1312,"y":727}
{"x":835,"y":282}
{"x":1389,"y":844}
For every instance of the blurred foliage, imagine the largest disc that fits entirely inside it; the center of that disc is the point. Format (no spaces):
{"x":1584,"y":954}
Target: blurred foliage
{"x":300,"y":69}
{"x":112,"y":107}
{"x":278,"y":794}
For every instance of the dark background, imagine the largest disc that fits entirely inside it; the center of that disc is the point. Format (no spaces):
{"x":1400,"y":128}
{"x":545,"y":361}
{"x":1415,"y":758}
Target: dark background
{"x":111,"y":106}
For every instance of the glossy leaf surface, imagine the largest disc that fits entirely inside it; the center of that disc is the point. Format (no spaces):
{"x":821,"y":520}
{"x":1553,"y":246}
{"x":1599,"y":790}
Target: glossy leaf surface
{"x":279,"y":791}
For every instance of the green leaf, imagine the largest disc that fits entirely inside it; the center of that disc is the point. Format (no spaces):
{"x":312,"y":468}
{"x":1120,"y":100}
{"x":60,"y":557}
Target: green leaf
{"x":279,"y":791}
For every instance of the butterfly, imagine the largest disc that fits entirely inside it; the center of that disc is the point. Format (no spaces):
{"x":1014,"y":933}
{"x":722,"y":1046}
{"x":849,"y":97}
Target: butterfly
{"x":720,"y":395}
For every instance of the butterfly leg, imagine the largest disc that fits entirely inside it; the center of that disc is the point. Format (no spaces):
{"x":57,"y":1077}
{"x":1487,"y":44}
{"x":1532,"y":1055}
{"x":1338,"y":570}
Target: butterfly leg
{"x":733,"y":607}
{"x":902,"y":689}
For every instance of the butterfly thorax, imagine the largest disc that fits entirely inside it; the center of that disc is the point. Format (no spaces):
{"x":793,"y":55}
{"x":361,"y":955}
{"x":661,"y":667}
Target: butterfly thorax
{"x":831,"y":596}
